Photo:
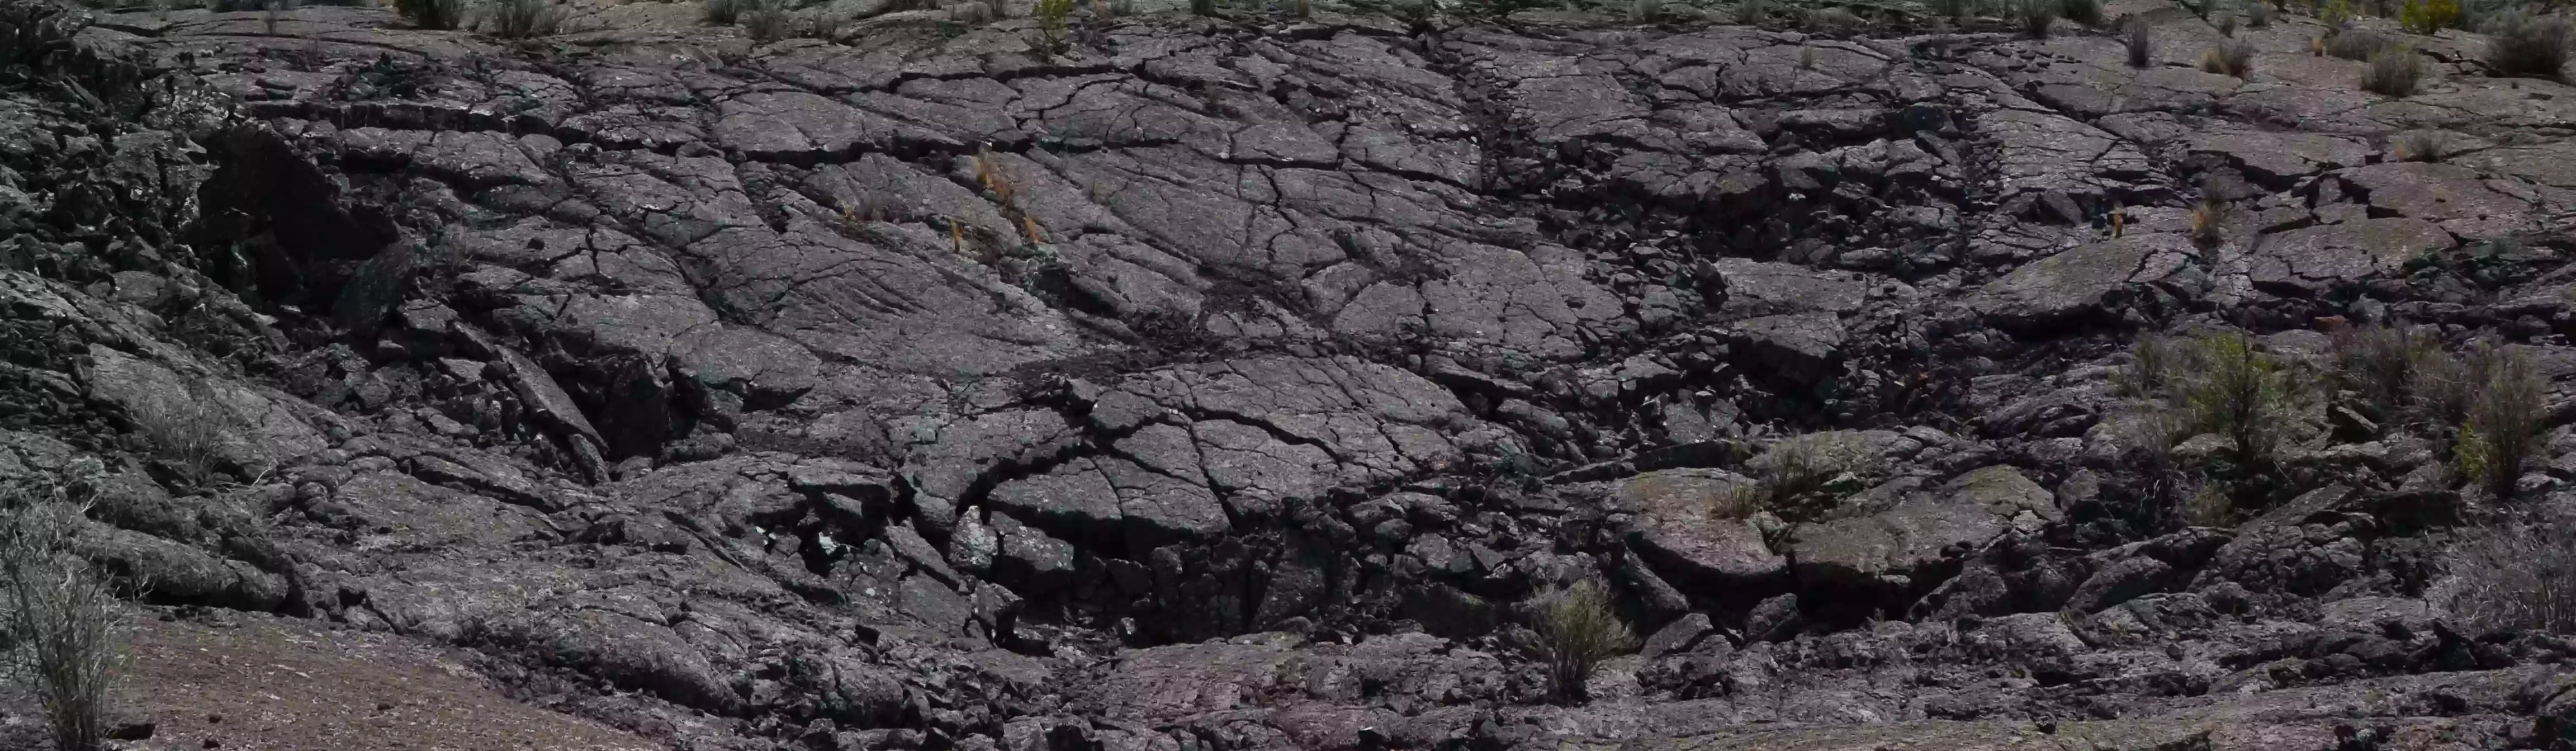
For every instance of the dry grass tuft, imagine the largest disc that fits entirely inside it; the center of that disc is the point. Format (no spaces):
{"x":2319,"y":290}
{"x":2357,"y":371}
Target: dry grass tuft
{"x":1576,"y":630}
{"x":2234,"y":58}
{"x":2394,"y":71}
{"x":59,"y":614}
{"x":2529,"y":46}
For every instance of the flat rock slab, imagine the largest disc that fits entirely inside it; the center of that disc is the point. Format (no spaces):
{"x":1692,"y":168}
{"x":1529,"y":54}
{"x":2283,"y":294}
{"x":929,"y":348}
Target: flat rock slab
{"x":1892,"y":549}
{"x":2314,"y":258}
{"x":2455,"y":197}
{"x":2080,"y":281}
{"x":2277,"y":160}
{"x":1687,"y":543}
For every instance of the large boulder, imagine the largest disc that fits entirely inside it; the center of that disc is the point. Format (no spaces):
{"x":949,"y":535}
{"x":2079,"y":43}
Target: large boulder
{"x":1888,"y":558}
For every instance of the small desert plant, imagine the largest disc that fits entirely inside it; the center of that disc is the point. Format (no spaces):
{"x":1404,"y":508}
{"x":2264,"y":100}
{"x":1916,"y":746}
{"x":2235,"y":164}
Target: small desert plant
{"x":767,"y":20}
{"x":1051,"y":15}
{"x":1832,"y":21}
{"x":2356,"y":44}
{"x":2427,"y":16}
{"x":1806,"y":58}
{"x":2227,"y":25}
{"x":1208,"y":7}
{"x":2334,"y":14}
{"x":269,"y":15}
{"x":2141,"y":42}
{"x":2524,"y":45}
{"x":2037,"y":16}
{"x":2385,"y":367}
{"x":2258,"y":15}
{"x":1645,"y":11}
{"x":432,"y":14}
{"x":2209,"y":506}
{"x":2157,"y":364}
{"x":2231,"y":58}
{"x":2086,"y":12}
{"x":59,"y":615}
{"x":724,"y":12}
{"x":1576,"y":630}
{"x":2208,"y":222}
{"x":1956,"y":10}
{"x":1302,"y":9}
{"x":2394,"y":71}
{"x":2509,"y":578}
{"x":521,"y":19}
{"x":2504,"y":420}
{"x":2423,"y":146}
{"x":2241,"y":393}
{"x":185,"y":430}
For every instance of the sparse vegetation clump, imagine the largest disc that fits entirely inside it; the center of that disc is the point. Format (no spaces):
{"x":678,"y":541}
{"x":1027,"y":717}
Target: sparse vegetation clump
{"x":1645,"y":11}
{"x":2258,"y":15}
{"x":724,"y":12}
{"x":2504,"y":420}
{"x":2356,"y":44}
{"x":2141,"y":43}
{"x":2157,"y":364}
{"x":2514,"y":578}
{"x":2227,"y":26}
{"x":185,"y":431}
{"x":1574,"y":631}
{"x":521,"y":19}
{"x":1208,"y":7}
{"x":431,"y":14}
{"x":2232,"y":58}
{"x":2242,"y":394}
{"x":2428,"y":16}
{"x":2529,"y":46}
{"x":767,"y":20}
{"x":2423,"y":146}
{"x":2037,"y":16}
{"x":2386,"y":368}
{"x":1955,"y":10}
{"x":2208,"y":225}
{"x":2334,"y":14}
{"x":2394,"y":71}
{"x":2086,"y":12}
{"x":58,"y":614}
{"x":1793,"y":468}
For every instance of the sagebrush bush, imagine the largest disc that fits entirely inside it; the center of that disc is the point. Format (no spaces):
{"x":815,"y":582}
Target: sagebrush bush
{"x":1576,"y":630}
{"x":2515,"y":578}
{"x":2227,"y":25}
{"x":2356,"y":44}
{"x":2037,"y":16}
{"x":2141,"y":43}
{"x":2388,"y":368}
{"x":59,"y":614}
{"x":2423,"y":146}
{"x":2241,"y":393}
{"x":2258,"y":15}
{"x":2504,"y":420}
{"x":768,"y":20}
{"x":2394,"y":71}
{"x":2208,"y":217}
{"x":521,"y":19}
{"x":186,"y":430}
{"x":724,"y":12}
{"x":431,"y":14}
{"x":2157,"y":363}
{"x":2530,"y":46}
{"x":2231,"y":58}
{"x":2086,"y":12}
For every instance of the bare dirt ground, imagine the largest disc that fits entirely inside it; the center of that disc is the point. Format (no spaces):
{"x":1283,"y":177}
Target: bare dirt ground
{"x":274,"y":684}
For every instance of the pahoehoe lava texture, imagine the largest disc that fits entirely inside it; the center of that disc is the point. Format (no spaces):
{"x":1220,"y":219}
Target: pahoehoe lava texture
{"x":1223,"y":383}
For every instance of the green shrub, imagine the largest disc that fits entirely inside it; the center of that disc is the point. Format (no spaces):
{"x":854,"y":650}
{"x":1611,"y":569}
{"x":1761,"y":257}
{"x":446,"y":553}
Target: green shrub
{"x":2428,"y":16}
{"x":58,"y":613}
{"x":2394,"y":71}
{"x":2504,"y":421}
{"x":2258,"y":15}
{"x":2334,"y":14}
{"x":1576,"y":630}
{"x":431,"y":14}
{"x":724,"y":12}
{"x":2241,"y":393}
{"x":2227,"y":25}
{"x":2529,"y":46}
{"x":2157,"y":363}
